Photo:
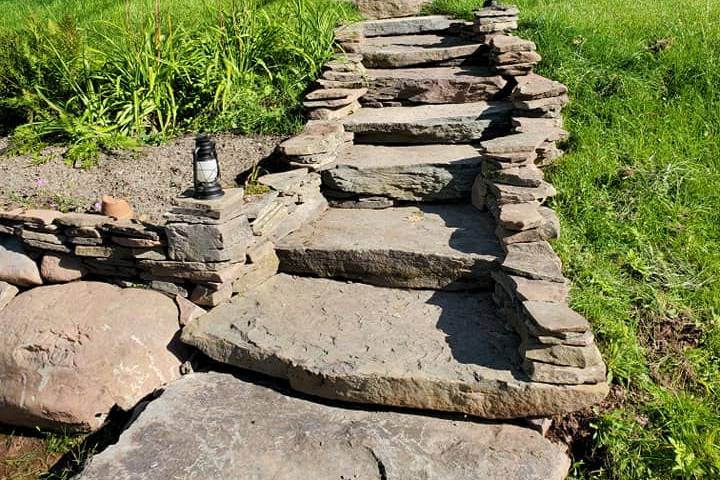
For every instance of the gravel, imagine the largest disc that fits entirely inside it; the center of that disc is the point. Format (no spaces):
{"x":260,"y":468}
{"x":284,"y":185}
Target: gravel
{"x":149,"y":178}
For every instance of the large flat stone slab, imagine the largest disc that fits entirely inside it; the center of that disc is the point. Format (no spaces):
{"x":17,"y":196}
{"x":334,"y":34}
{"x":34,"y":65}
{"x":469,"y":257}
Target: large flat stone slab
{"x":390,"y":8}
{"x":411,"y":173}
{"x":213,"y":426}
{"x":433,"y":246}
{"x":434,"y":85}
{"x":444,"y":351}
{"x":421,"y":49}
{"x":453,"y":123}
{"x":408,"y":25}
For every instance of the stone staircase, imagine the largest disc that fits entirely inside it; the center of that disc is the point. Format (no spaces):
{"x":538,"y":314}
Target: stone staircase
{"x":429,"y":283}
{"x":403,"y":218}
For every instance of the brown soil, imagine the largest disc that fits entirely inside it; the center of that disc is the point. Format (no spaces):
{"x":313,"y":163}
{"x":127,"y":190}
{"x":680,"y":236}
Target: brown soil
{"x":575,"y":429}
{"x":24,"y":457}
{"x":149,"y":178}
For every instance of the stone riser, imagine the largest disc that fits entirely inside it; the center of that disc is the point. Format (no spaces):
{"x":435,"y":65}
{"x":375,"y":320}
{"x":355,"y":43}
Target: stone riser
{"x":425,"y":183}
{"x":433,"y":85}
{"x":432,"y":133}
{"x":457,"y":58}
{"x":388,"y":268}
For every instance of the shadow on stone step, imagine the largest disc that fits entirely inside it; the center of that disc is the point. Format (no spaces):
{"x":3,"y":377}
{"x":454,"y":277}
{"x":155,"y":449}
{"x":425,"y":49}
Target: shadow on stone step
{"x":273,"y":163}
{"x":479,"y":336}
{"x":474,"y":231}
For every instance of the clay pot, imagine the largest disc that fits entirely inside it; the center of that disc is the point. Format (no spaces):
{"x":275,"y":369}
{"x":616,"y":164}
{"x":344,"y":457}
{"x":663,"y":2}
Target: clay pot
{"x":116,"y":208}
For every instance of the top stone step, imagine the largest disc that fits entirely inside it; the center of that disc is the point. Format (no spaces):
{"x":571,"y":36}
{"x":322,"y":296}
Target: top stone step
{"x":420,"y":49}
{"x":408,"y":25}
{"x":390,"y":8}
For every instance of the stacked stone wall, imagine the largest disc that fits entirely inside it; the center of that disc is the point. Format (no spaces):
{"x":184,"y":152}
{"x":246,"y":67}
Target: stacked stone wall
{"x":206,"y":251}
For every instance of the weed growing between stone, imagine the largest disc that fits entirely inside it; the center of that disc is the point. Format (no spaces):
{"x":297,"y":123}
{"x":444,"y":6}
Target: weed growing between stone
{"x":640,"y":208}
{"x":106,"y":78}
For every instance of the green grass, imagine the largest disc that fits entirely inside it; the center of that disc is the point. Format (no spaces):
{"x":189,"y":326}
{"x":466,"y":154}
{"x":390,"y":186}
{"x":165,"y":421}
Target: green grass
{"x":639,"y":188}
{"x":640,"y":207}
{"x":106,"y":74}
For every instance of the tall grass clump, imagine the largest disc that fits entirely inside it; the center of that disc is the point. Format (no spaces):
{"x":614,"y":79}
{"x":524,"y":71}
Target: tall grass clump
{"x":241,"y":66}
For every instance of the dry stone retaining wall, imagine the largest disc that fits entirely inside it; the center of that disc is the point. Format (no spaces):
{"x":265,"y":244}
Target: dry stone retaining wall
{"x":206,"y":251}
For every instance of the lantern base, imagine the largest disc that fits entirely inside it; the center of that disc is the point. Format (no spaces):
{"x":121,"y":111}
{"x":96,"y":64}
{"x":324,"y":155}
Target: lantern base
{"x":211,"y":194}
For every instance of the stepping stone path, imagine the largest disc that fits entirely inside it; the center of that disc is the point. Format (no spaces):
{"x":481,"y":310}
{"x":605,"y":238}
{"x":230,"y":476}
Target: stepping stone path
{"x":428,"y":285}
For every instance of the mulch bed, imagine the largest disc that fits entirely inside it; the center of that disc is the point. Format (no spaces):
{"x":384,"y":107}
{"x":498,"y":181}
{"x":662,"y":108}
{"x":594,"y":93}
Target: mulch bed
{"x":149,"y":178}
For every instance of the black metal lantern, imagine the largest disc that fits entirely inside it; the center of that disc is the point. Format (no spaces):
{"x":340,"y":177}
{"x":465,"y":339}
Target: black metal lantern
{"x":206,"y":169}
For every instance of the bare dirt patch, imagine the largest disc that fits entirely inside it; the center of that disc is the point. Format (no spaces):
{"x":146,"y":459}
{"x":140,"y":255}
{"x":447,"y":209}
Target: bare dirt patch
{"x":149,"y":178}
{"x":24,"y":457}
{"x":576,"y":431}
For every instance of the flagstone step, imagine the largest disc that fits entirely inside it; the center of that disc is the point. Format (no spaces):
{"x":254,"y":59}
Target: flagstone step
{"x":443,"y":351}
{"x":424,"y":124}
{"x":390,"y":8}
{"x":405,"y":173}
{"x":422,"y":49}
{"x":431,"y":246}
{"x":409,"y":25}
{"x":431,"y":85}
{"x":214,"y":426}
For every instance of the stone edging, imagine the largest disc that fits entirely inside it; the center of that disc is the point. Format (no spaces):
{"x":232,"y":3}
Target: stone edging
{"x":531,"y":291}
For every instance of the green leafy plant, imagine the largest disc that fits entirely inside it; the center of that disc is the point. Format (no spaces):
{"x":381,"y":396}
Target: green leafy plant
{"x":242,"y":67}
{"x":252,"y":186}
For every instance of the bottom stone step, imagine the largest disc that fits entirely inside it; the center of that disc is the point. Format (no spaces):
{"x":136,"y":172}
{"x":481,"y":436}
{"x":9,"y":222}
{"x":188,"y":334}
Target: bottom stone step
{"x":213,"y":426}
{"x":444,"y":351}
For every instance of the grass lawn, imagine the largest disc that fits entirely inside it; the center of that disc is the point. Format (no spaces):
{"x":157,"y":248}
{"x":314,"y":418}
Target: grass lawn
{"x":639,"y":188}
{"x":640,"y":205}
{"x":640,"y":208}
